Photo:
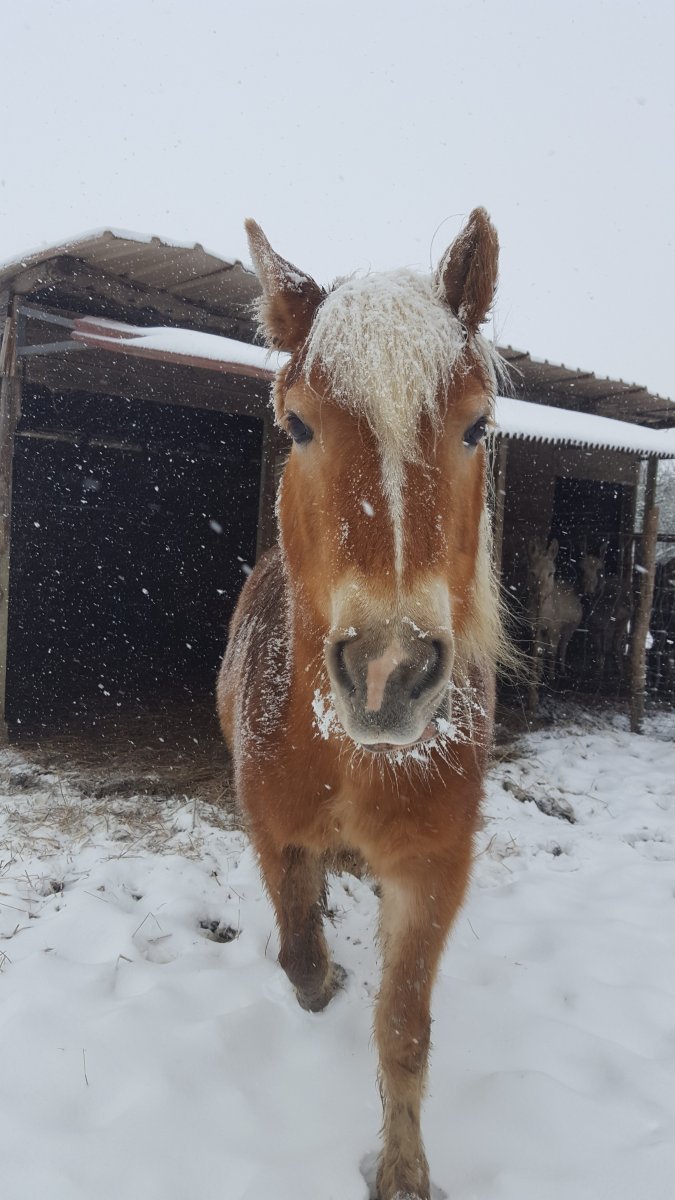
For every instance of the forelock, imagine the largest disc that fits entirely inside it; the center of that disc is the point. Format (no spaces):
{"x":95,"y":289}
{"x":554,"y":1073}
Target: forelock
{"x":388,"y":348}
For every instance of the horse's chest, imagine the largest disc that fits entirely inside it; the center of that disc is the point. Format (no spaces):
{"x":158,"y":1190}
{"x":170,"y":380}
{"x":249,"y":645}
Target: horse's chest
{"x":335,"y":821}
{"x":376,"y":823}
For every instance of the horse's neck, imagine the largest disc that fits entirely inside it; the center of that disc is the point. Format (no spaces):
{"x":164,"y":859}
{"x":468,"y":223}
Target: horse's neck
{"x":548,"y":604}
{"x":559,"y":605}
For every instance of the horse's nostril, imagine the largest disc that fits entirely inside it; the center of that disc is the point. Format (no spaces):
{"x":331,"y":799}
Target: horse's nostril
{"x":431,"y":671}
{"x":340,"y":666}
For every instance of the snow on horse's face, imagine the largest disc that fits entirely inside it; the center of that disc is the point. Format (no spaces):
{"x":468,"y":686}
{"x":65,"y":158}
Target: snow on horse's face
{"x":387,"y":398}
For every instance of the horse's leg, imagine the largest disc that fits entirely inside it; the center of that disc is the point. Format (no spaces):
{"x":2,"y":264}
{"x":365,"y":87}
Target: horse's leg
{"x":415,"y":919}
{"x":296,"y":881}
{"x":619,"y":648}
{"x":535,"y":671}
{"x":553,"y":654}
{"x":565,"y":639}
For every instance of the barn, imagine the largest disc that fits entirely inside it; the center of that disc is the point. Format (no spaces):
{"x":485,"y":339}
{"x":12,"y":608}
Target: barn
{"x":576,"y":460}
{"x":138,"y":462}
{"x":134,"y":477}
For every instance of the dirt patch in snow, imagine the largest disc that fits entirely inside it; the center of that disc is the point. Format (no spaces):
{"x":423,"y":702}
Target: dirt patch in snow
{"x":144,"y":777}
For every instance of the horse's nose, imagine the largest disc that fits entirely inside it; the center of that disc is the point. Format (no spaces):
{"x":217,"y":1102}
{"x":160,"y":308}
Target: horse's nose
{"x":385,"y":683}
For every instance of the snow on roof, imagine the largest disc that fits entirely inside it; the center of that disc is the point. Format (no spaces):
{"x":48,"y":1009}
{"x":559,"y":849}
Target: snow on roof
{"x":514,"y":418}
{"x":186,"y":344}
{"x":92,"y":236}
{"x":543,"y":423}
{"x":210,"y":345}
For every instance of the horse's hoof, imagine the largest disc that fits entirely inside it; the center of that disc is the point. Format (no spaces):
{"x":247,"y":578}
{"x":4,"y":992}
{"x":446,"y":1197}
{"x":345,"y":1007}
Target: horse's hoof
{"x":393,"y":1183}
{"x":317,"y":1001}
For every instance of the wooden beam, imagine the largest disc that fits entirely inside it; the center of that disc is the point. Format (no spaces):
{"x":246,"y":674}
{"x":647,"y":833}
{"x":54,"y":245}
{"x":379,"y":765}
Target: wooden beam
{"x":638,"y":647}
{"x":272,"y":448}
{"x":10,"y":407}
{"x":107,"y":373}
{"x":500,"y":495}
{"x":135,"y":349}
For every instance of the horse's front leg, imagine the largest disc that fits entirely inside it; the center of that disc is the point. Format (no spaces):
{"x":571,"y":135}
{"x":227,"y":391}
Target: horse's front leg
{"x":536,"y":670}
{"x":415,"y":920}
{"x":296,"y":880}
{"x":565,"y":639}
{"x":554,"y":642}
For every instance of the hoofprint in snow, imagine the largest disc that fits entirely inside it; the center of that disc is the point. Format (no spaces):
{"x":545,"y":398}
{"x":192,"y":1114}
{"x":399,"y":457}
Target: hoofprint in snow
{"x":151,"y":1047}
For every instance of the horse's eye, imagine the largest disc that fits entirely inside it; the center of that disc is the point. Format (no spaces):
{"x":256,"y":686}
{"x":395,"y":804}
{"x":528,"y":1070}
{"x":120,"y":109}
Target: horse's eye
{"x":476,"y":432}
{"x":297,"y":429}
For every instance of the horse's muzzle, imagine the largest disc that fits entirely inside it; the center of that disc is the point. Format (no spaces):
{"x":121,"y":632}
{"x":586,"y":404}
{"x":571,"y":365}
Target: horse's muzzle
{"x":387,"y":689}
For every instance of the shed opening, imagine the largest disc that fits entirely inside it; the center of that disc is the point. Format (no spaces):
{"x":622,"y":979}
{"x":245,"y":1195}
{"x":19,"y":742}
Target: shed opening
{"x":132,"y":523}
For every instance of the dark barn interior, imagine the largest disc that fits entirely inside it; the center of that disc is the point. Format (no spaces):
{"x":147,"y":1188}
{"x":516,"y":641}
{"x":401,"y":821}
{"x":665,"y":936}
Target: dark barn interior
{"x":595,"y":517}
{"x":599,"y":510}
{"x":132,"y":525}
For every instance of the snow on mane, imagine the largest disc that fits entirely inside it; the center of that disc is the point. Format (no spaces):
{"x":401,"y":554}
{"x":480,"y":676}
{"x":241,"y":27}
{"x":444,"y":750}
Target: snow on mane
{"x":389,"y":348}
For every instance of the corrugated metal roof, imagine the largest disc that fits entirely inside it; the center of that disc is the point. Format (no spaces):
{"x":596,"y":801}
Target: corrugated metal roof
{"x":226,"y":289}
{"x":543,"y":382}
{"x":188,"y":273}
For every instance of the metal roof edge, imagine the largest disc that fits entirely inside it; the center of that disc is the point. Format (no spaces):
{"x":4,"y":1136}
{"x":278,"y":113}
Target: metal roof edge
{"x":566,"y":440}
{"x":70,"y":246}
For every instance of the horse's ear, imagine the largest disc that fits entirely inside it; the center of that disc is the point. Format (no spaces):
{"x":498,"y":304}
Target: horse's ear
{"x":467,"y":273}
{"x":553,"y":550}
{"x":290,"y":298}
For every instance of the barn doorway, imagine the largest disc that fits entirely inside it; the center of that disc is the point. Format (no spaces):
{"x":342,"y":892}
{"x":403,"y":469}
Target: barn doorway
{"x":596,"y":517}
{"x":586,"y":513}
{"x":132,"y":526}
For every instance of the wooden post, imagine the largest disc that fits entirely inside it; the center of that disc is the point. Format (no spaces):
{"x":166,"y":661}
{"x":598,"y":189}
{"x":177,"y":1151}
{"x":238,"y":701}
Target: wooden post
{"x":500,"y":493}
{"x":10,"y":403}
{"x":267,"y":522}
{"x":638,"y":646}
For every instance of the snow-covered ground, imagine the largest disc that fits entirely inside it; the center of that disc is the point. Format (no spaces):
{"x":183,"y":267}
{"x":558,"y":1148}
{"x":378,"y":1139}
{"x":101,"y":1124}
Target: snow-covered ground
{"x":151,"y":1049}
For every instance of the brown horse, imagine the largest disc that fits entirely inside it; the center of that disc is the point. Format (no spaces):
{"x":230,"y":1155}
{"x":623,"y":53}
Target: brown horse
{"x":357,"y":688}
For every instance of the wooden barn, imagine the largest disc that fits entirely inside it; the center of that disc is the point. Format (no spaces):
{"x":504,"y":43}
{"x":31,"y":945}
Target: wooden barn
{"x":134,"y":483}
{"x":576,"y":461}
{"x":138,"y":464}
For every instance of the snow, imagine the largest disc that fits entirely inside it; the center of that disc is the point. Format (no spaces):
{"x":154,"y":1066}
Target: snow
{"x":542,"y":422}
{"x":152,"y":1047}
{"x":188,"y":342}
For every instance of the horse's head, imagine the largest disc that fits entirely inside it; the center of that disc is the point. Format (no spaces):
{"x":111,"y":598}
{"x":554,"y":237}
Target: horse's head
{"x":593,"y":571}
{"x":387,"y":398}
{"x":541,"y":568}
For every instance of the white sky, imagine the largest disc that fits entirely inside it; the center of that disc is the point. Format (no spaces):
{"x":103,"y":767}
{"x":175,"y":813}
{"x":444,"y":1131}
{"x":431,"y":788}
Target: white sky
{"x":353,"y":130}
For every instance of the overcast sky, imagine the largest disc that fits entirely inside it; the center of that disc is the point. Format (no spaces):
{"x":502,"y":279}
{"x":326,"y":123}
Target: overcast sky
{"x":359,"y":135}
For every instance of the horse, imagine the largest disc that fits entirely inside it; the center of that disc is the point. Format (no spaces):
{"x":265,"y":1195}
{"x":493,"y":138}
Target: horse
{"x":554,"y":609}
{"x":608,"y":612}
{"x":357,"y":688}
